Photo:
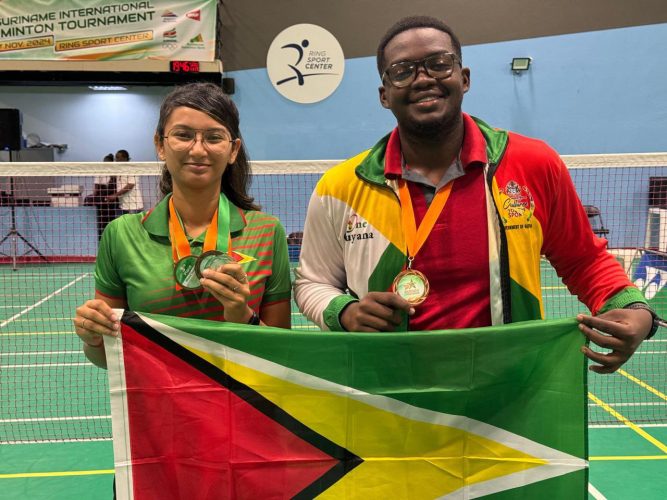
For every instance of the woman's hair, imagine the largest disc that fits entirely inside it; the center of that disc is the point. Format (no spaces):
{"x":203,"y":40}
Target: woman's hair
{"x":210,"y":99}
{"x":109,"y":157}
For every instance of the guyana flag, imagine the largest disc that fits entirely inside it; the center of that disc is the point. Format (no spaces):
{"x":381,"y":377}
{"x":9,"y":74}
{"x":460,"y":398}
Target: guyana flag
{"x":205,"y":410}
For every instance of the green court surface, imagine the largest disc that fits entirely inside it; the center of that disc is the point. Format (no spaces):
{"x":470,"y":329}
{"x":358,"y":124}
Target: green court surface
{"x":54,"y":410}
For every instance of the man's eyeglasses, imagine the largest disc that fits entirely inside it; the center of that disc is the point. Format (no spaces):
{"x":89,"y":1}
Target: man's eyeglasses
{"x":182,"y":139}
{"x":437,"y":66}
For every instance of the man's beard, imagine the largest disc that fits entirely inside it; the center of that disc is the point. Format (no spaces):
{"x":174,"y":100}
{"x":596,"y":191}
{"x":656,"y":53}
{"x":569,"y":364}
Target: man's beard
{"x":433,"y":129}
{"x":428,"y":130}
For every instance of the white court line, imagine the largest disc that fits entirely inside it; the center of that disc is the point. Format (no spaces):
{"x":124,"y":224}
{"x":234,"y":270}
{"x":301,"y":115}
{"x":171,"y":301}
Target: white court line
{"x":35,"y":334}
{"x":42,"y":353}
{"x":13,"y":307}
{"x":595,"y":493}
{"x":41,"y":276}
{"x":49,"y":441}
{"x":650,"y":352}
{"x":623,"y":426}
{"x":30,"y":308}
{"x":657,"y":403}
{"x":47,"y":365}
{"x":54,"y":419}
{"x":44,"y":318}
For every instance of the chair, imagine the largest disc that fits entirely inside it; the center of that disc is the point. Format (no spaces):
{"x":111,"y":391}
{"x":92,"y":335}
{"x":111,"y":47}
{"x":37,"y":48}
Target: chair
{"x":595,"y":219}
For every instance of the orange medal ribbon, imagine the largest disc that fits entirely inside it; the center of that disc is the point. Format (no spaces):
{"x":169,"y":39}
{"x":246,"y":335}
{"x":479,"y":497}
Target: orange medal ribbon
{"x":179,"y":242}
{"x":416,"y":237}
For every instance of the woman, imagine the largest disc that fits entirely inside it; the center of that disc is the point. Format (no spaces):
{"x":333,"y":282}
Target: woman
{"x":149,"y":262}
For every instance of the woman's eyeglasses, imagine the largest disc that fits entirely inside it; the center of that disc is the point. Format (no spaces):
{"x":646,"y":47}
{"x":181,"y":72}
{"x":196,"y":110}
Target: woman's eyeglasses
{"x":182,"y":139}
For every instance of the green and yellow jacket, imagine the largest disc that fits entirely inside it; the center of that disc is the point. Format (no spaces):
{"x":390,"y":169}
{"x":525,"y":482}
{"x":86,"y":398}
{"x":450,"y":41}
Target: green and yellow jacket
{"x":354,"y":243}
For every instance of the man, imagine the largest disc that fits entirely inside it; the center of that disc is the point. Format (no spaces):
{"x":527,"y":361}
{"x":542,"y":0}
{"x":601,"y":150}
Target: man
{"x":129,"y":196}
{"x":442,"y":223}
{"x":104,"y":201}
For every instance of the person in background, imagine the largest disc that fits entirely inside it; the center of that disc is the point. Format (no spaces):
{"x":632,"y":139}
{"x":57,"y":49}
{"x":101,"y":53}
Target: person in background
{"x":154,"y":262}
{"x":106,"y":205}
{"x":129,"y":196}
{"x":443,"y":222}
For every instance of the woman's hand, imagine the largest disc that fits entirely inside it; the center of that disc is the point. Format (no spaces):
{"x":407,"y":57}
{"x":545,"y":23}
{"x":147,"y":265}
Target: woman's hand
{"x":94,"y":319}
{"x":229,"y":284}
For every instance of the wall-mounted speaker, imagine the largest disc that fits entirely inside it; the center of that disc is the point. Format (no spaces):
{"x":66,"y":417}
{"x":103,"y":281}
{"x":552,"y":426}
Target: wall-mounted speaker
{"x":10,"y":129}
{"x":228,"y":86}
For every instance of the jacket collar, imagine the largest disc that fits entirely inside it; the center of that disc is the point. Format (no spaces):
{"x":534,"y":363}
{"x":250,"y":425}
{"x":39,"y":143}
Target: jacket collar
{"x":156,"y":221}
{"x":372,"y":166}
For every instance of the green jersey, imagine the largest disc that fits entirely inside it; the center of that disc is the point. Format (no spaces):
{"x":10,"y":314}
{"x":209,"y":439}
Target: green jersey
{"x":135,"y":263}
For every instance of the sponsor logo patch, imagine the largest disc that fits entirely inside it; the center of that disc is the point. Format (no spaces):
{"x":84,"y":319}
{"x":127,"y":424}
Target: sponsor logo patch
{"x":517,"y":206}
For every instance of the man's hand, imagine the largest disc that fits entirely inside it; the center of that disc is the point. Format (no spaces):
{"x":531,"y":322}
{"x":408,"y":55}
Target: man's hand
{"x":620,"y":330}
{"x":376,"y":312}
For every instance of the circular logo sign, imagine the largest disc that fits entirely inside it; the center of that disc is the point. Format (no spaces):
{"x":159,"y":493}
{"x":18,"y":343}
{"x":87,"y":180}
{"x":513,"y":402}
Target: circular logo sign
{"x":305,"y":63}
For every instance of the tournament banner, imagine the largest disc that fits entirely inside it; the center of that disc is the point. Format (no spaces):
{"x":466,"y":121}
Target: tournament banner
{"x":103,"y":30}
{"x":202,"y":409}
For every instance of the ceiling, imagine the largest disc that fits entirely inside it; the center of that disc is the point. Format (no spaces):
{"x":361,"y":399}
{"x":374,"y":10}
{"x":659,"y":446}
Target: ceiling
{"x":249,"y":26}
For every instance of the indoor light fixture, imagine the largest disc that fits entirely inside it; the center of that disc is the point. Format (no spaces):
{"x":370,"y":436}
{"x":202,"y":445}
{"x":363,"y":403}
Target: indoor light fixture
{"x":520,"y":64}
{"x":107,"y":87}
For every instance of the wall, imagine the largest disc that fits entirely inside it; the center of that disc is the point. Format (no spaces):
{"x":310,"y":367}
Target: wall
{"x":594,"y":92}
{"x":91,"y":123}
{"x":597,"y":92}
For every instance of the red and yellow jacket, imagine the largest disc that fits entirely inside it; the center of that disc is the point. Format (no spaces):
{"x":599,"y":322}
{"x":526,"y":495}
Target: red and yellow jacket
{"x":532,"y":210}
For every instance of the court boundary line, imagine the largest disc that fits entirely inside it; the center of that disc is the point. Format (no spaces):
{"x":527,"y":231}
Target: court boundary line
{"x":39,"y":353}
{"x":56,"y":441}
{"x":54,"y":419}
{"x":641,"y":403}
{"x":25,"y":475}
{"x":595,"y":493}
{"x":655,"y":442}
{"x":40,"y":302}
{"x":23,"y":334}
{"x":48,"y":365}
{"x":623,"y":426}
{"x":643,"y":384}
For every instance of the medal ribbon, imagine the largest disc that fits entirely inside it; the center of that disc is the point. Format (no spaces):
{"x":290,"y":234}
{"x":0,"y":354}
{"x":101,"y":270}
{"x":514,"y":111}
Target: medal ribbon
{"x":179,"y":242}
{"x":416,"y":237}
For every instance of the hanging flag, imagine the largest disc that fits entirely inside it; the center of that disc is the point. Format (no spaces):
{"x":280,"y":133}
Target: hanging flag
{"x":208,"y":410}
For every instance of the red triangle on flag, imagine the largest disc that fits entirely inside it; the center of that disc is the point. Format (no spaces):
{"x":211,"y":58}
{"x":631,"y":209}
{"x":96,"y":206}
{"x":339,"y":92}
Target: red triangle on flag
{"x":193,"y":437}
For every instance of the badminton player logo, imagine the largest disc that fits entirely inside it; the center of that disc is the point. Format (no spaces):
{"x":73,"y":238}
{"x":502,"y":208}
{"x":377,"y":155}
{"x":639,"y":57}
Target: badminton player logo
{"x":305,"y":63}
{"x":299,"y":76}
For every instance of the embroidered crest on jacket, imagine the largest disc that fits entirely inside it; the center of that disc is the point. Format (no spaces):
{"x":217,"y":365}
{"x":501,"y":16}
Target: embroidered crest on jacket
{"x":517,"y":203}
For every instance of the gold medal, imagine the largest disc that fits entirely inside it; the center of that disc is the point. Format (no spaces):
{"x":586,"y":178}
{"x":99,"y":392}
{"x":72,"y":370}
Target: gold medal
{"x":412,"y":286}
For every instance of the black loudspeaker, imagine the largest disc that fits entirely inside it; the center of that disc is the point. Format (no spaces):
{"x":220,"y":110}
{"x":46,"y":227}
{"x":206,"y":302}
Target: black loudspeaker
{"x":10,"y":129}
{"x":228,"y":86}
